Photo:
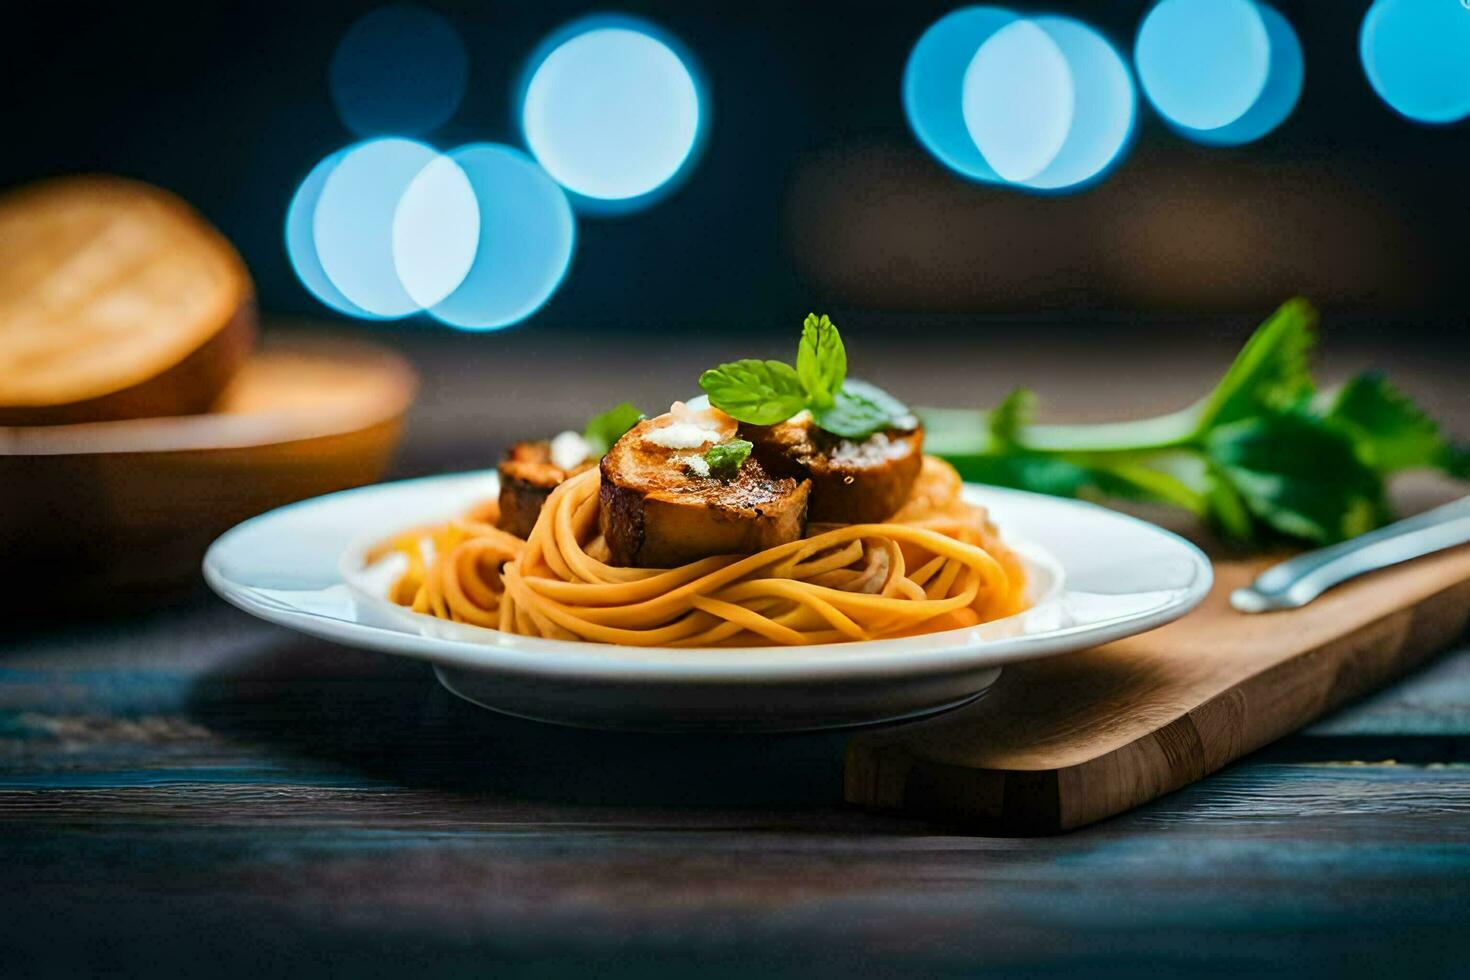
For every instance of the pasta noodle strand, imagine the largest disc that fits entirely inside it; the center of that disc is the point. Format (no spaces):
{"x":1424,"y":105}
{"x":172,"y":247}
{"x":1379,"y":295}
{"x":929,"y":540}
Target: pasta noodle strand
{"x":936,"y":564}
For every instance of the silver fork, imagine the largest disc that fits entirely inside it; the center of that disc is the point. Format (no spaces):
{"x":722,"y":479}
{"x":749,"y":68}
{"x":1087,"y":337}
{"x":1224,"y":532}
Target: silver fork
{"x":1298,"y":581}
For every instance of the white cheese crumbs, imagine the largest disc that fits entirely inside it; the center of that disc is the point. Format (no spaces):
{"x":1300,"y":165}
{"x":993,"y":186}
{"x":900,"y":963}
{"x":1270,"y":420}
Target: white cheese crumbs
{"x":569,"y":450}
{"x":681,"y":435}
{"x":874,"y":447}
{"x":694,"y":464}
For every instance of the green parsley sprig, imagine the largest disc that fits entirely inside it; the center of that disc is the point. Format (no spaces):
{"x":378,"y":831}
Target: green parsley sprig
{"x":1264,"y":453}
{"x":767,"y":392}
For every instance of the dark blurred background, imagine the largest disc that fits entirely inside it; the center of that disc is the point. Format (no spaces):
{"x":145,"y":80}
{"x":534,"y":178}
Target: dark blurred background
{"x":812,"y":192}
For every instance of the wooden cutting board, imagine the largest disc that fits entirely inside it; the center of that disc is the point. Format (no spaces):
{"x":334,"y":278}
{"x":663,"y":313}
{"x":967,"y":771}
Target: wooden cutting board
{"x":1062,"y":742}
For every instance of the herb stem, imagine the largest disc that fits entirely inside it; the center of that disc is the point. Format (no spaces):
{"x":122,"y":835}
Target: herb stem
{"x":1140,"y":435}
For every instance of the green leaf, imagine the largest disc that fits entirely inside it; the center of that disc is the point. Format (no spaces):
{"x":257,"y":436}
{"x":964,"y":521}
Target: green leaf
{"x":608,"y":427}
{"x":1225,"y":508}
{"x":1388,"y":428}
{"x":851,"y":416}
{"x":901,"y":416}
{"x":821,"y":360}
{"x":726,"y":458}
{"x":753,"y":391}
{"x":861,"y":409}
{"x":1272,"y":371}
{"x":1014,"y":411}
{"x":1457,"y":462}
{"x":1176,"y":477}
{"x":1300,"y":475}
{"x":1039,"y":474}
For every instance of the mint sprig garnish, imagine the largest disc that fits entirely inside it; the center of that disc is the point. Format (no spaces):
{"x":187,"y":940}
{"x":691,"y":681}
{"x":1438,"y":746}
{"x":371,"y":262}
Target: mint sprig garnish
{"x":861,"y":409}
{"x":758,"y":392}
{"x":1264,"y":452}
{"x":768,"y":392}
{"x":821,"y":360}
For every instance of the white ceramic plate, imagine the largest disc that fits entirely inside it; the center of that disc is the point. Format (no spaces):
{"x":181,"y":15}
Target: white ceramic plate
{"x":1096,"y":576}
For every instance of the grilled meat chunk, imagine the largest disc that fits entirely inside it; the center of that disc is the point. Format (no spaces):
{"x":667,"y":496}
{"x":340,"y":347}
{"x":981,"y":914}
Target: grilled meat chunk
{"x":661,"y":508}
{"x":853,"y":482}
{"x":527,"y":477}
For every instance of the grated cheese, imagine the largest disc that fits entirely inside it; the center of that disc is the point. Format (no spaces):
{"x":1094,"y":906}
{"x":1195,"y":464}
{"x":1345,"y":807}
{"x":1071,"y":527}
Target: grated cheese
{"x":681,"y":435}
{"x":569,"y":450}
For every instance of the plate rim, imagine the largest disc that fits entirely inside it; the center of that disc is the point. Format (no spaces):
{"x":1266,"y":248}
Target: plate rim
{"x":947,"y":652}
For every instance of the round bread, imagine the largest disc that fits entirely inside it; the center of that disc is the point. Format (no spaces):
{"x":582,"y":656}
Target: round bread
{"x":116,"y":301}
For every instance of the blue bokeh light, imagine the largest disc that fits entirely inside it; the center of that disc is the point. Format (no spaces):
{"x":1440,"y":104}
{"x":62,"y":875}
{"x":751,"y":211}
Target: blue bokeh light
{"x":1277,"y":99}
{"x":933,"y":80}
{"x":400,"y":70}
{"x":1106,"y":106}
{"x":1203,"y":63}
{"x":1019,"y":99}
{"x":611,"y":109}
{"x":436,"y":231}
{"x":526,"y":237}
{"x":1416,"y":54}
{"x":1043,"y":104}
{"x":352,"y":224}
{"x":301,"y":240}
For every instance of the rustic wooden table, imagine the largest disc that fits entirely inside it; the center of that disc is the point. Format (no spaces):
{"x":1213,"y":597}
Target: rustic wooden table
{"x":191,"y":789}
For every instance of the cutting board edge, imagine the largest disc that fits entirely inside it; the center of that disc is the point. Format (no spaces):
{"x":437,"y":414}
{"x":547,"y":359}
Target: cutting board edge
{"x":1039,"y":801}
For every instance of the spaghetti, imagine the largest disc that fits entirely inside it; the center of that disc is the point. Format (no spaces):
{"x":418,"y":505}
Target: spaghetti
{"x":937,"y":564}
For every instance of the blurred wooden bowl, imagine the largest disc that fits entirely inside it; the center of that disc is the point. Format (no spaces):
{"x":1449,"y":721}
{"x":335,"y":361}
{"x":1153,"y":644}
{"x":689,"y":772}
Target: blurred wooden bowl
{"x":114,"y":515}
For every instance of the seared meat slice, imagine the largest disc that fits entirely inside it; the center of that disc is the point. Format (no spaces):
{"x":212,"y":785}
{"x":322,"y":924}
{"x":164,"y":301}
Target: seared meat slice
{"x":658,"y":511}
{"x":852,"y":482}
{"x":527,"y":477}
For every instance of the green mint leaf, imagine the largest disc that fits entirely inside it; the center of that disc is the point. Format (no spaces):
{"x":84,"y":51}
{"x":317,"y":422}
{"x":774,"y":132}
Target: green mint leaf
{"x":851,"y":416}
{"x":1272,"y":371}
{"x":1300,"y":475}
{"x":1006,"y":420}
{"x":860,"y":409}
{"x":821,"y":360}
{"x":1391,"y":432}
{"x":753,"y":391}
{"x":726,"y":458}
{"x":608,"y":427}
{"x":900,"y":414}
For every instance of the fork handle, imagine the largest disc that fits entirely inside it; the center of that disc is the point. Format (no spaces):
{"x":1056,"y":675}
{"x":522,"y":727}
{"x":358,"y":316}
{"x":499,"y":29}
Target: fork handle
{"x":1296,"y":582}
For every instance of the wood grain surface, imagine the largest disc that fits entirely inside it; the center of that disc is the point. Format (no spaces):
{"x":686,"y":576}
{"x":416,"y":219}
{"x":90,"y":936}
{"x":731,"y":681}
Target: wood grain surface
{"x":189,"y":791}
{"x":194,"y":790}
{"x":1062,"y":742}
